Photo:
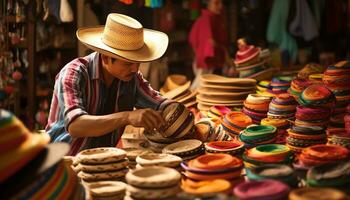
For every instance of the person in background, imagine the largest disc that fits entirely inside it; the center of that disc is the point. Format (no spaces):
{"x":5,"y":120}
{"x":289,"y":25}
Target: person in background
{"x":94,"y":96}
{"x":209,"y":40}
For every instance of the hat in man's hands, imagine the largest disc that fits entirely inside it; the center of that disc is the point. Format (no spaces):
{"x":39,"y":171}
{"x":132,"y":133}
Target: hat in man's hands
{"x":123,"y":36}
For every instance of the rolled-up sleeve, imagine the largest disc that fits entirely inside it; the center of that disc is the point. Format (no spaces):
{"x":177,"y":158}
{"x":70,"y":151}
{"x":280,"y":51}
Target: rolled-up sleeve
{"x":147,"y":97}
{"x":72,"y":94}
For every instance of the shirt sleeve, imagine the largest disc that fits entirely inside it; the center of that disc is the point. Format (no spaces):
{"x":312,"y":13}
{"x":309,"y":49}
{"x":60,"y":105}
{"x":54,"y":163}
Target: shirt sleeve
{"x":147,"y":97}
{"x":71,"y":92}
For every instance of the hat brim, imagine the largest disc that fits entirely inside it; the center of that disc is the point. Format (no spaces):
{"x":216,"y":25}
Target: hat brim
{"x":155,"y":44}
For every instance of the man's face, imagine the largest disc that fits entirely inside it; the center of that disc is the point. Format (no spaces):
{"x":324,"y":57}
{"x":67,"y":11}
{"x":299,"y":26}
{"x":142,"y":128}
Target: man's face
{"x":215,"y":6}
{"x":122,"y":69}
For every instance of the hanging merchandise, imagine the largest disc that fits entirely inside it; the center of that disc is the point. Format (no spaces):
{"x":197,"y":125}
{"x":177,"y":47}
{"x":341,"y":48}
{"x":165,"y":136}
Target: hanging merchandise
{"x":128,"y":2}
{"x":167,"y":18}
{"x":66,"y":13}
{"x":154,"y":3}
{"x":195,"y":7}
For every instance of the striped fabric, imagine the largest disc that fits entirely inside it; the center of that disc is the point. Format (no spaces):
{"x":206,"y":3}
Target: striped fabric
{"x":79,"y":90}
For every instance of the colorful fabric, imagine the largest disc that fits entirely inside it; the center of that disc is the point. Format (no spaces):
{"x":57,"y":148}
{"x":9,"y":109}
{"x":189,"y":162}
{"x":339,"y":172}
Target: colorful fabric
{"x":79,"y":90}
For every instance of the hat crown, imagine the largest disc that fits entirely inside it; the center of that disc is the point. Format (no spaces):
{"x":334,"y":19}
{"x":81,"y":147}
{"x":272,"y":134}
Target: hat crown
{"x":123,"y":32}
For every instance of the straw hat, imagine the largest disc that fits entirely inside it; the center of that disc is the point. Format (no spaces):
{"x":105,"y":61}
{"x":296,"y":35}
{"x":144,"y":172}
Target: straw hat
{"x":123,"y":36}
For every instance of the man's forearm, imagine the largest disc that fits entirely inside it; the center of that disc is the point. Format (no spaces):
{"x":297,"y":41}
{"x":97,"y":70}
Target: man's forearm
{"x":97,"y":125}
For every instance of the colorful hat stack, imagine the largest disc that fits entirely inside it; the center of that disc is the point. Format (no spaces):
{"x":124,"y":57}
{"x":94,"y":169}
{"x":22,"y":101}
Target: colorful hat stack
{"x":261,"y":190}
{"x":300,"y":137}
{"x":335,"y":175}
{"x":279,"y":85}
{"x":310,"y":193}
{"x":214,"y":166}
{"x":297,"y":86}
{"x":158,"y":159}
{"x":186,"y":149}
{"x":153,"y":183}
{"x":249,"y":62}
{"x":216,"y":112}
{"x":340,"y":139}
{"x":206,"y":188}
{"x":310,"y":69}
{"x":234,"y":122}
{"x":267,"y":154}
{"x":256,"y":106}
{"x":233,"y":147}
{"x":279,"y":172}
{"x":317,"y":95}
{"x":262,"y":87}
{"x":102,"y":164}
{"x":206,"y":130}
{"x":218,"y":90}
{"x":282,"y":106}
{"x":322,"y":154}
{"x":281,"y":124}
{"x":30,"y":168}
{"x":312,"y":116}
{"x":258,"y":134}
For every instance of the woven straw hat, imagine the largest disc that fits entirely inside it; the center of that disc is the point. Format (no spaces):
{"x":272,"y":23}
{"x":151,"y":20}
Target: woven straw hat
{"x":123,"y":36}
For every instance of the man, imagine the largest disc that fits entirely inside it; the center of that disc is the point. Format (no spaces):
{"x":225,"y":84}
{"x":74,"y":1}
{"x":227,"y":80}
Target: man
{"x":94,"y":96}
{"x":209,"y":41}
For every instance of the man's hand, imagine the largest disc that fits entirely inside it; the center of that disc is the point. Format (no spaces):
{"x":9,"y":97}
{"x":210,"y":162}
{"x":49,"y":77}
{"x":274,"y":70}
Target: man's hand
{"x":147,"y":118}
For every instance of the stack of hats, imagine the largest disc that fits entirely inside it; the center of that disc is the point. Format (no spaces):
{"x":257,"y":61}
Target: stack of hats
{"x":258,"y":134}
{"x":261,"y":190}
{"x":282,"y":106}
{"x":206,"y":130}
{"x":157,"y":141}
{"x":207,"y":188}
{"x":321,"y":154}
{"x":300,"y":137}
{"x":336,"y":175}
{"x":281,"y":124}
{"x":214,"y":166}
{"x":186,"y":149}
{"x":234,"y":122}
{"x":256,"y":107}
{"x":102,"y":164}
{"x":158,"y":159}
{"x":267,"y":154}
{"x":153,"y":183}
{"x":262,"y":87}
{"x":310,"y":193}
{"x":177,"y":88}
{"x":216,"y":112}
{"x":222,"y":91}
{"x":340,"y":139}
{"x":106,"y":190}
{"x":234,"y":147}
{"x":279,"y":85}
{"x":312,"y":116}
{"x":249,"y":61}
{"x":336,"y":124}
{"x":317,"y":95}
{"x":30,"y":168}
{"x":279,"y":172}
{"x":310,"y":69}
{"x":297,"y":86}
{"x":132,"y":153}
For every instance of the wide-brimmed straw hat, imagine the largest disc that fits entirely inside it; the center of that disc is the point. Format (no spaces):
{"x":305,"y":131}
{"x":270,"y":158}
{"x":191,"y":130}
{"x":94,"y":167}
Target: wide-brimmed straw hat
{"x":124,"y":37}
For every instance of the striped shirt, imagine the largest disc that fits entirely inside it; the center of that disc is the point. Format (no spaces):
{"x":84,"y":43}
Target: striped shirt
{"x":80,"y":90}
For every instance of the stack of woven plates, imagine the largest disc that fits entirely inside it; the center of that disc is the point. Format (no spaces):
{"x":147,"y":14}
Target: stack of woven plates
{"x":153,"y":183}
{"x":282,"y":106}
{"x":281,"y":124}
{"x":335,"y":175}
{"x":206,"y":130}
{"x":310,"y":193}
{"x":279,"y":85}
{"x":223,"y":91}
{"x":186,"y":149}
{"x":279,"y":172}
{"x":258,"y":134}
{"x":312,"y":116}
{"x":297,"y":86}
{"x":177,"y":88}
{"x":214,"y":166}
{"x":234,"y":147}
{"x":261,"y":190}
{"x":157,"y":141}
{"x":256,"y":106}
{"x":267,"y":154}
{"x":157,"y":159}
{"x":300,"y":137}
{"x":106,"y":190}
{"x":234,"y":122}
{"x":102,"y":164}
{"x":132,"y":153}
{"x":321,"y":154}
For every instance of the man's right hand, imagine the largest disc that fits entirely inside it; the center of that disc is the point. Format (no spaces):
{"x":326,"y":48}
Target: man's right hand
{"x":147,"y":118}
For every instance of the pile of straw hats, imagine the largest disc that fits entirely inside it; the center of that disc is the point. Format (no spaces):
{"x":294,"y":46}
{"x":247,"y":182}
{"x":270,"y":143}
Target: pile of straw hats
{"x":223,"y":91}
